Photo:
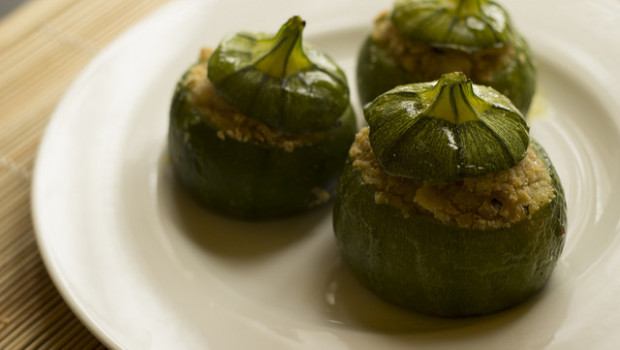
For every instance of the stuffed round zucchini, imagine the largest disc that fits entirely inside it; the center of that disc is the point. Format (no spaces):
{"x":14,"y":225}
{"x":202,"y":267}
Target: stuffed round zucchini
{"x":445,"y":205}
{"x":260,"y":127}
{"x":420,"y":40}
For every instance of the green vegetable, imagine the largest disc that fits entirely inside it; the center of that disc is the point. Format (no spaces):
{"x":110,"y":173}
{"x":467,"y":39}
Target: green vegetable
{"x":283,"y":157}
{"x":430,"y":265}
{"x":446,"y":130}
{"x":279,"y":81}
{"x":434,"y":268}
{"x":420,"y":40}
{"x":468,"y":25}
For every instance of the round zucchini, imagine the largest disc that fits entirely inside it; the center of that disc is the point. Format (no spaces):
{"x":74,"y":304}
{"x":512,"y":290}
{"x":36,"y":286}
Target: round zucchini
{"x":428,"y":38}
{"x":441,"y":269}
{"x":446,"y":206}
{"x":252,"y":177}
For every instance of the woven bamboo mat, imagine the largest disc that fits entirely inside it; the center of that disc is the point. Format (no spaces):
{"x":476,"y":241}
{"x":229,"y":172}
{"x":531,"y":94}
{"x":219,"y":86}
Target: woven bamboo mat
{"x":43,"y":46}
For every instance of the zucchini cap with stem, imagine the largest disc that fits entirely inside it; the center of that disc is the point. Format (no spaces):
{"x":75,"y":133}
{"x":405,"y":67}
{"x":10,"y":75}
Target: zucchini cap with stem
{"x":446,"y":130}
{"x":280,"y":80}
{"x":260,"y":128}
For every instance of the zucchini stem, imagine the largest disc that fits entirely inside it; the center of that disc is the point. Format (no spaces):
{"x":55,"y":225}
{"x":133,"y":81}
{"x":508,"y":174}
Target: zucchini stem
{"x":285,"y":55}
{"x":454,"y":99}
{"x":467,"y":8}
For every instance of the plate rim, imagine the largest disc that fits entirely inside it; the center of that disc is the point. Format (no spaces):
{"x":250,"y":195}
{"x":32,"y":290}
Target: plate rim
{"x":49,"y":258}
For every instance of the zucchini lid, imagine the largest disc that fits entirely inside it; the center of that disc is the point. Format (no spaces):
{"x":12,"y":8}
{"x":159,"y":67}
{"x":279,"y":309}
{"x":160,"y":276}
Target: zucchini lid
{"x":466,"y":25}
{"x":280,"y":80}
{"x":446,"y":130}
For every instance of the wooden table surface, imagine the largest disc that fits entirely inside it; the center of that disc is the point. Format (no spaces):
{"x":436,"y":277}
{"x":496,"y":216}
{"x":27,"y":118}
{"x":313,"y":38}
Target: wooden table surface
{"x":44,"y":44}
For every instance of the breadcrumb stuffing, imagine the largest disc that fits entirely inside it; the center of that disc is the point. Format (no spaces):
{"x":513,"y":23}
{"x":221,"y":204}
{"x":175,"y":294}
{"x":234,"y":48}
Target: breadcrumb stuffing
{"x":230,"y":121}
{"x":426,"y":63}
{"x":489,"y":201}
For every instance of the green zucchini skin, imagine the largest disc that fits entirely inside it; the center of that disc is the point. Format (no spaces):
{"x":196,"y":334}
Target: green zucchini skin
{"x":251,"y":180}
{"x":378,"y":72}
{"x":444,"y":270}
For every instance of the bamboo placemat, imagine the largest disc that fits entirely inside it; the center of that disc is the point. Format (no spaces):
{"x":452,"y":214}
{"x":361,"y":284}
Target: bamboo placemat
{"x":43,"y":46}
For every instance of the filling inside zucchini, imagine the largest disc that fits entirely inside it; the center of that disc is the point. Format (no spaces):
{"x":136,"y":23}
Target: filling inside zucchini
{"x":426,"y":63}
{"x":230,"y":122}
{"x":490,"y":201}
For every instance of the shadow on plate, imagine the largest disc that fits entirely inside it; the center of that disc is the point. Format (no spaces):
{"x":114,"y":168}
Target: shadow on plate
{"x":230,"y":237}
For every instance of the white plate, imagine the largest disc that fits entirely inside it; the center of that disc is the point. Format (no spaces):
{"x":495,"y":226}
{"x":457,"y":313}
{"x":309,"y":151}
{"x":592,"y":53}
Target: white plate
{"x":145,"y":268}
